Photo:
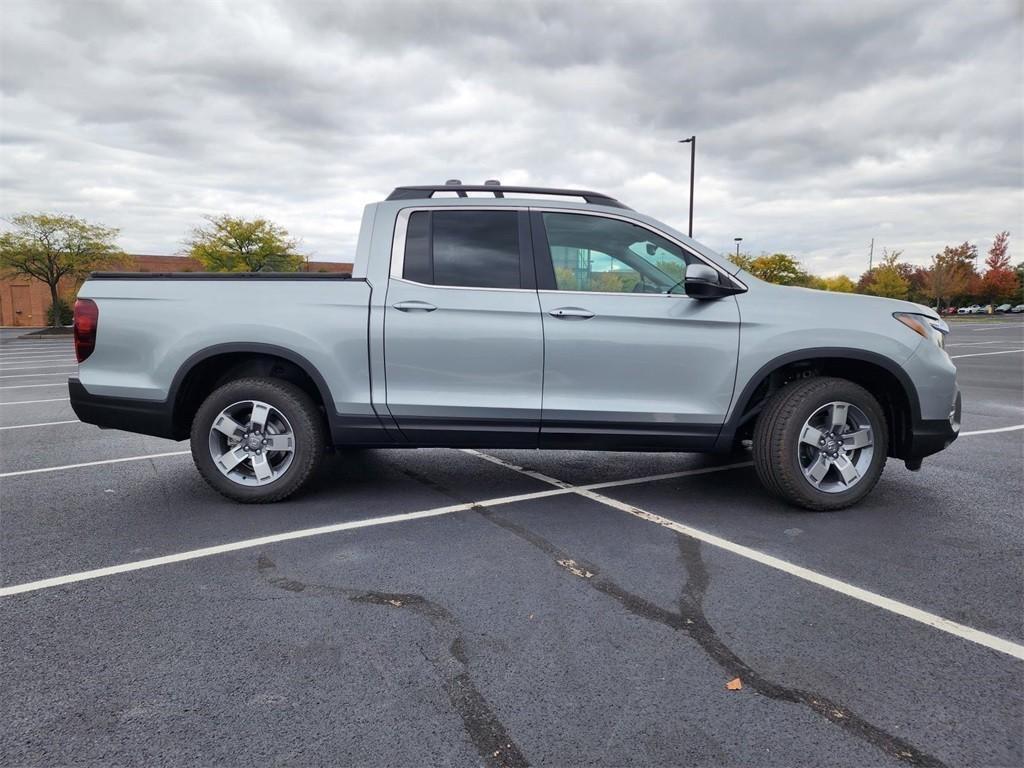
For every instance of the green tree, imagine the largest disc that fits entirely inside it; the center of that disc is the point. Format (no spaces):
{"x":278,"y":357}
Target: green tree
{"x":742,"y":260}
{"x":888,"y":278}
{"x":230,"y":244}
{"x":50,"y":247}
{"x":779,"y":268}
{"x":837,"y":284}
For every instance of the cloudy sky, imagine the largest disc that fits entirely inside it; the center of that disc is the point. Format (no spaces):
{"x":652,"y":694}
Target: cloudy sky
{"x":820,"y":124}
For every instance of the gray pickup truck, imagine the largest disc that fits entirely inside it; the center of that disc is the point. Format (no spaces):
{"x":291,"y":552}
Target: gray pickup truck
{"x":513,"y":317}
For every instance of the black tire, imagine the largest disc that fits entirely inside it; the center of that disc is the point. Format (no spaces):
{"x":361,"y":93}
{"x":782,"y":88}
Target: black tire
{"x":296,"y":406}
{"x":777,"y":439}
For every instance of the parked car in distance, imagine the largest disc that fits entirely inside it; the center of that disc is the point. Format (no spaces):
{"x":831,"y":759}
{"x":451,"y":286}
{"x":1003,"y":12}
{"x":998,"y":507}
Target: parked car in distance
{"x":1004,"y":308}
{"x":949,"y":311}
{"x":1018,"y":309}
{"x":531,"y":318}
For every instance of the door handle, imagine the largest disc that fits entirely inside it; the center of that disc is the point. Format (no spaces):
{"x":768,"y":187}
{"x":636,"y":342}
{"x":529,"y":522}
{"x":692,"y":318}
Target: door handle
{"x":571,"y":313}
{"x":414,"y":306}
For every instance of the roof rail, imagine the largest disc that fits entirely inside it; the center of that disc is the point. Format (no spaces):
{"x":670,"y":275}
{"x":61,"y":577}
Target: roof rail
{"x":428,"y":191}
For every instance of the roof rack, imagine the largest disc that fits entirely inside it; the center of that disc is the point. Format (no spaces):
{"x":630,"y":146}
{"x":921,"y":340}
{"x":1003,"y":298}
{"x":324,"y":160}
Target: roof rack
{"x":428,"y":191}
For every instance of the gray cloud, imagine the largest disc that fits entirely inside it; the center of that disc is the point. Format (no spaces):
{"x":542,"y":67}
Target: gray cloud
{"x":820,"y":125}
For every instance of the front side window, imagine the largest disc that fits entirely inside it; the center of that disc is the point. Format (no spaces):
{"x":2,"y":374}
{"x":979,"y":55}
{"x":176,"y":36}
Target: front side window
{"x":476,"y":249}
{"x":594,"y":253}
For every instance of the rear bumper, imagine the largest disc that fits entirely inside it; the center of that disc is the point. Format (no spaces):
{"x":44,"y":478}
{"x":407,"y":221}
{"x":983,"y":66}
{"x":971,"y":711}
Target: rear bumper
{"x":146,"y":417}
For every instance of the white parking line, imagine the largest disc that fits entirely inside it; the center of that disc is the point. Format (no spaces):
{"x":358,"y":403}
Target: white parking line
{"x":42,"y":424}
{"x":982,"y":354}
{"x":30,"y":375}
{"x":37,"y":354}
{"x":879,"y":601}
{"x":41,"y":470}
{"x":33,"y":386}
{"x":36,"y":367}
{"x":980,"y":343}
{"x":194,"y":554}
{"x":47,"y":363}
{"x":27,"y":402}
{"x":992,"y":431}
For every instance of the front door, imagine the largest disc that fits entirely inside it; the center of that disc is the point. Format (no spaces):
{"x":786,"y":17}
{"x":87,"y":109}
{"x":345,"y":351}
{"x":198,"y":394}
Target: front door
{"x":629,"y":361}
{"x":463,"y":340}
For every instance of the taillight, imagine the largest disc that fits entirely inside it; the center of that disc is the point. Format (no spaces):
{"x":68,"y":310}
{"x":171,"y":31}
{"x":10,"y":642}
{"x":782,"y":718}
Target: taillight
{"x":87,"y":317}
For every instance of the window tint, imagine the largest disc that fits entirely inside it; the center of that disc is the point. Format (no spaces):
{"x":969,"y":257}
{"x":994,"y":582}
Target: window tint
{"x":594,"y":253}
{"x":464,"y":248}
{"x":417,"y":249}
{"x":476,"y":248}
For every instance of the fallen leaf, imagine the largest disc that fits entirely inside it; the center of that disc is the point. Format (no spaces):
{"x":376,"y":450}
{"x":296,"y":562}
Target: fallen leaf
{"x":574,"y":568}
{"x":735,"y":684}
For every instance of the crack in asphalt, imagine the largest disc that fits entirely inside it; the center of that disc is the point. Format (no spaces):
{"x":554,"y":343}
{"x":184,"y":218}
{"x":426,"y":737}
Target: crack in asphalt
{"x":487,"y":733}
{"x":691,"y":620}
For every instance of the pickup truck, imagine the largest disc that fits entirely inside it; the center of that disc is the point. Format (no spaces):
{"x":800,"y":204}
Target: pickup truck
{"x":490,"y":316}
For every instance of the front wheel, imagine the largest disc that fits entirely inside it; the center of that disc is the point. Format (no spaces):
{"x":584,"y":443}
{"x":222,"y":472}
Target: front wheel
{"x":257,"y":440}
{"x":821,"y":443}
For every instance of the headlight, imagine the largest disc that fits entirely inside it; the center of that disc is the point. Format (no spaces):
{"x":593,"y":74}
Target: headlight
{"x":929,"y":328}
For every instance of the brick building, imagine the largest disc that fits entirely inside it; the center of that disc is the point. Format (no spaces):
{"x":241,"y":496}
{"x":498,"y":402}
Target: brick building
{"x":24,"y":302}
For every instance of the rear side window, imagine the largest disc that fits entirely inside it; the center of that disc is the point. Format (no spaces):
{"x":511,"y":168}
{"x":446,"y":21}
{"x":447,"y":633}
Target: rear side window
{"x":473,"y":249}
{"x":417,"y":249}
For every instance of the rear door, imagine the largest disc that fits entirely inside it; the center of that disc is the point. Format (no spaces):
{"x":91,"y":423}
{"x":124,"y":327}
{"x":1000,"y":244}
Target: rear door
{"x":630,"y":360}
{"x":463,"y":340}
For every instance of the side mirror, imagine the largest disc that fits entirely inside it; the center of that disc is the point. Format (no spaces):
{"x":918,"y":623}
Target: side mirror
{"x":702,"y":282}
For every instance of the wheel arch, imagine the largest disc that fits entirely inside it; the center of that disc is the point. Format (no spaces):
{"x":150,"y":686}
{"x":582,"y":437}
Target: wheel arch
{"x":206,"y":369}
{"x":881,"y":376}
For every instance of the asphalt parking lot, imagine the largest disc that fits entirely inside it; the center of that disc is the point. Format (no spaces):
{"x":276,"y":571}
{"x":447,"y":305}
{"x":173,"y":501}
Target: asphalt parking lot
{"x":442,"y":607}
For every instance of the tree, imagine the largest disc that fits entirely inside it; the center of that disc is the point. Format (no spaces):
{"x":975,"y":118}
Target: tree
{"x":742,"y":260}
{"x":1000,"y":282}
{"x":779,"y":268}
{"x":50,"y":246}
{"x":837,"y":284}
{"x":888,"y":277}
{"x":231,"y":244}
{"x":948,"y":277}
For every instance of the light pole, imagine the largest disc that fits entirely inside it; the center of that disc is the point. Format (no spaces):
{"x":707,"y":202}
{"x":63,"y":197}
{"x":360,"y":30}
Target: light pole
{"x":738,"y":241}
{"x":692,"y":141}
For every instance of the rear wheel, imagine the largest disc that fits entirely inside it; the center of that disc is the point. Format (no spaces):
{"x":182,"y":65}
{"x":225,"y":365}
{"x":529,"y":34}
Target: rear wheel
{"x":821,"y":443}
{"x":257,"y":440}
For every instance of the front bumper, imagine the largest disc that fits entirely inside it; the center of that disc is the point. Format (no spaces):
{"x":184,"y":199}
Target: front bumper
{"x":146,"y":417}
{"x":932,"y":435}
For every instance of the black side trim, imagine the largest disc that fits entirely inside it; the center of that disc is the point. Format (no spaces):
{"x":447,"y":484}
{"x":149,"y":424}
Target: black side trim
{"x":147,"y":417}
{"x":739,"y":412}
{"x":628,"y":436}
{"x":224,"y":276}
{"x":461,"y":432}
